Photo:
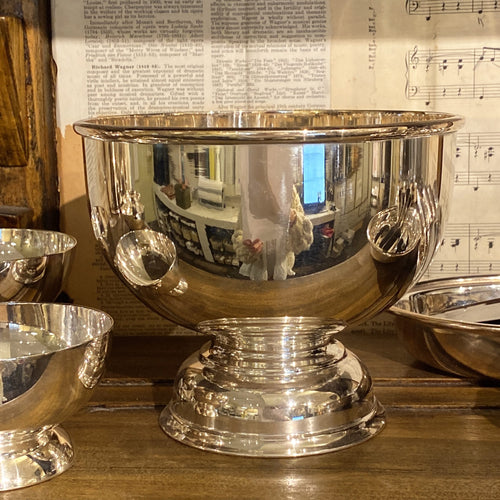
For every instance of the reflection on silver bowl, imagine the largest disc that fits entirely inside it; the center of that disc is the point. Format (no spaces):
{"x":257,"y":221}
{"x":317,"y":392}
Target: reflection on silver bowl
{"x":261,"y":228}
{"x":51,"y":358}
{"x":453,"y":324}
{"x":34,"y":264}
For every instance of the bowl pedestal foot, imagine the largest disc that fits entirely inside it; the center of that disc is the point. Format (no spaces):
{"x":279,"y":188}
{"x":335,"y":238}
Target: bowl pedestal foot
{"x":272,"y":387}
{"x":28,"y":458}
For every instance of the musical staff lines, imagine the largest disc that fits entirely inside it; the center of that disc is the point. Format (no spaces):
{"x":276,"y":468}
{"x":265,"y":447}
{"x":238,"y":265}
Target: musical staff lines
{"x":428,"y":8}
{"x":453,"y":74}
{"x":468,"y":249}
{"x":477,"y":159}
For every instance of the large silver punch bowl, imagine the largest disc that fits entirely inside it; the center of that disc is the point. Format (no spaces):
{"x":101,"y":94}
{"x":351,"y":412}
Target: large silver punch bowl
{"x":270,"y":231}
{"x":51,"y":358}
{"x":34,"y":264}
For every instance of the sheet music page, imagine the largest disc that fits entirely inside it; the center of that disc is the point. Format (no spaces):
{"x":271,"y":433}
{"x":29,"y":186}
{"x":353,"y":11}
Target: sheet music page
{"x":442,"y":56}
{"x":116,"y":56}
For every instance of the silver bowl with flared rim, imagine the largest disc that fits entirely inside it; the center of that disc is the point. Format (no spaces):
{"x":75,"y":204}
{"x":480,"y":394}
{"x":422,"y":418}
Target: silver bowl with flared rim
{"x":453,"y":324}
{"x":51,"y":358}
{"x":270,"y":230}
{"x":34,"y":264}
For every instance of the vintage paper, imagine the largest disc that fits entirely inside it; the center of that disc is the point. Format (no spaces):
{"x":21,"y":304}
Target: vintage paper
{"x":116,"y":56}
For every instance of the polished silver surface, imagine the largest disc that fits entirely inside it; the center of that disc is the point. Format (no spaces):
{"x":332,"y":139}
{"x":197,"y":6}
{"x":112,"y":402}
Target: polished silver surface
{"x":51,"y":357}
{"x":273,"y":387}
{"x":277,"y":218}
{"x":453,"y":324}
{"x":34,"y":264}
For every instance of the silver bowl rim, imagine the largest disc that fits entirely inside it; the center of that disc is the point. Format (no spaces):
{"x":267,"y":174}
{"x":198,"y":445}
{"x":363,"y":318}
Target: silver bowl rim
{"x":70,"y":241}
{"x":60,"y":305}
{"x":487,"y":329}
{"x":340,"y":126}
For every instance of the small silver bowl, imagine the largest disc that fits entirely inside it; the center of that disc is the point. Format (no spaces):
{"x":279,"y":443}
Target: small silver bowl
{"x":453,"y":325}
{"x":51,"y":358}
{"x":34,"y":264}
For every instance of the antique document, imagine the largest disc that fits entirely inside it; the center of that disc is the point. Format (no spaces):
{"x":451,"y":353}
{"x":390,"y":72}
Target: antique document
{"x":116,"y":56}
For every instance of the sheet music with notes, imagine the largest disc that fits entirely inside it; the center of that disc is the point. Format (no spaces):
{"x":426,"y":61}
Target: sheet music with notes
{"x":439,"y":56}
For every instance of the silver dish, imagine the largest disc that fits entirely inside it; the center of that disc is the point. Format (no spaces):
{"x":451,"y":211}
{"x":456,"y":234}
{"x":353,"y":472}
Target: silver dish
{"x":34,"y":264}
{"x":270,"y":231}
{"x":453,"y":324}
{"x":51,"y":358}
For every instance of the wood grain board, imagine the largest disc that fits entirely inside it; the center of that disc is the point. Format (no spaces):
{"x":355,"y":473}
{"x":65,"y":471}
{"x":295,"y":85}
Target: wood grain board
{"x":442,"y":438}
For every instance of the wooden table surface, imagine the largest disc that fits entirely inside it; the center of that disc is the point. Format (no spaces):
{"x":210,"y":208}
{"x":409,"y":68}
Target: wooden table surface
{"x":442,"y":439}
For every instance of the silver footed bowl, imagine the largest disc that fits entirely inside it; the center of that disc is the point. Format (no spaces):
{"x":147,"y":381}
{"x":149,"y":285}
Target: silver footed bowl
{"x":51,"y":358}
{"x":453,"y":324}
{"x":270,"y":231}
{"x":34,"y":264}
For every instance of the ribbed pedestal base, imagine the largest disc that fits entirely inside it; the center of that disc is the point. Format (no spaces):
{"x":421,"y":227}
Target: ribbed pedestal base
{"x":272,"y":387}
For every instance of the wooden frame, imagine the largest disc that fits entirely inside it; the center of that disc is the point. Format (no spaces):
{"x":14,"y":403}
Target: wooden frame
{"x":28,"y":163}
